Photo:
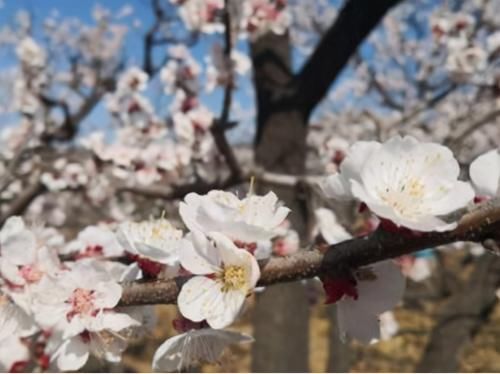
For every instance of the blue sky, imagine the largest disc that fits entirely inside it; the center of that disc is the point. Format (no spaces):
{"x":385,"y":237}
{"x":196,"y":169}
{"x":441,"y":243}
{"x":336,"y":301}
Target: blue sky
{"x":82,"y":9}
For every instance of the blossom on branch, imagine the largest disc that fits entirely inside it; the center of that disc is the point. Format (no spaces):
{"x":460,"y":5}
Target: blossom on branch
{"x":225,"y":275}
{"x":404,"y":181}
{"x":246,"y":221}
{"x":156,"y":243}
{"x":77,"y":306}
{"x":30,"y":53}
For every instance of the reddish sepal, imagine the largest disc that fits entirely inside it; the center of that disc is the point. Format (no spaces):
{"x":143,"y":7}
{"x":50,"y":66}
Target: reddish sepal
{"x":338,"y":287}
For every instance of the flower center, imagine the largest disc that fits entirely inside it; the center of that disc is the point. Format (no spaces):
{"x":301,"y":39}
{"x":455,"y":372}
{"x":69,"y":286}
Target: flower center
{"x":406,"y":197}
{"x":233,"y":278}
{"x":31,"y":274}
{"x":82,"y":302}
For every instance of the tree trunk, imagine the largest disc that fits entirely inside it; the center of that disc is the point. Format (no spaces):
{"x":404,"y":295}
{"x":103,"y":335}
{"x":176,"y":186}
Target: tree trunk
{"x":339,"y":357}
{"x":281,"y":316}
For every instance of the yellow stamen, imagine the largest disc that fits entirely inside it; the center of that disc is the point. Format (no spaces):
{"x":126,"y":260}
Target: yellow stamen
{"x":233,"y":278}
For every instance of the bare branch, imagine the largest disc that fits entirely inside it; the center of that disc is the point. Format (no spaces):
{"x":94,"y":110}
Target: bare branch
{"x":456,"y":141}
{"x":354,"y":22}
{"x":18,"y":206}
{"x":178,"y":192}
{"x":218,"y":128}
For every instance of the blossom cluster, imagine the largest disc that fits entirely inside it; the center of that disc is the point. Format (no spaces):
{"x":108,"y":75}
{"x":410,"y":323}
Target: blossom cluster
{"x":64,"y":297}
{"x":253,"y":18}
{"x":53,"y":317}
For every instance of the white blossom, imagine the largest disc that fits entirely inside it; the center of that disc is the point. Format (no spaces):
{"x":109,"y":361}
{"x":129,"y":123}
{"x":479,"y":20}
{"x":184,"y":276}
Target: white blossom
{"x":251,"y":219}
{"x":225,"y":275}
{"x":194,"y":347}
{"x":14,"y":321}
{"x":23,"y":259}
{"x":403,"y":180}
{"x":485,"y":173}
{"x":78,"y":305}
{"x":95,"y":241}
{"x":157,"y":240}
{"x":132,"y":80}
{"x":30,"y":53}
{"x":14,"y":355}
{"x":329,"y":228}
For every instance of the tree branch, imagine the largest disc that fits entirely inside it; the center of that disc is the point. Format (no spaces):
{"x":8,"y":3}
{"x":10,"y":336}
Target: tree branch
{"x":456,"y":141}
{"x":218,"y":128}
{"x":480,"y":224}
{"x":23,"y":200}
{"x":178,"y":192}
{"x":354,"y":22}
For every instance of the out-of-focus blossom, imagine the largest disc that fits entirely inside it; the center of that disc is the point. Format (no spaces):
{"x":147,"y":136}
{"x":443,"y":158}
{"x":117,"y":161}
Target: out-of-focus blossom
{"x":360,"y":299}
{"x":14,"y":355}
{"x":246,"y":221}
{"x":94,"y":241}
{"x":485,"y":173}
{"x":30,"y":53}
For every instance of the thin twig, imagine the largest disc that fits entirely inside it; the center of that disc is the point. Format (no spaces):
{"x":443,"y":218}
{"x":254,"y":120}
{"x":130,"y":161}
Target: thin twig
{"x":220,"y":125}
{"x":23,"y":200}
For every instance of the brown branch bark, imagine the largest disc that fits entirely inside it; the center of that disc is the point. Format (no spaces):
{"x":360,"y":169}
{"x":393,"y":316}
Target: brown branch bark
{"x":480,"y":224}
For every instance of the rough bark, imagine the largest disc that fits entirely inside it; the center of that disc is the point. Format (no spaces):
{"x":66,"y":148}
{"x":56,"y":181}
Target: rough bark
{"x":339,"y":357}
{"x":462,"y":317}
{"x":284,"y":104}
{"x":281,"y":315}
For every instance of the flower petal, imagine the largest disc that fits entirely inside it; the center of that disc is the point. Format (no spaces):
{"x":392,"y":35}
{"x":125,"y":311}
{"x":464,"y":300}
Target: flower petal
{"x":17,"y":242}
{"x":357,"y":323}
{"x":200,"y":256}
{"x":200,"y":297}
{"x":231,"y":304}
{"x":71,"y":355}
{"x":485,"y":173}
{"x":384,"y":292}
